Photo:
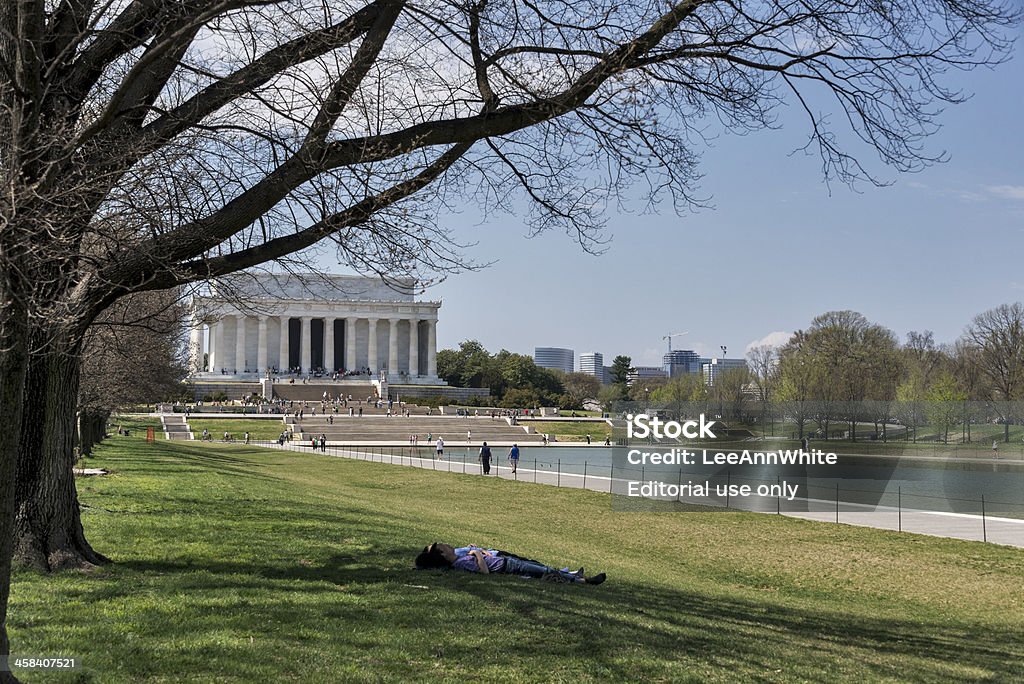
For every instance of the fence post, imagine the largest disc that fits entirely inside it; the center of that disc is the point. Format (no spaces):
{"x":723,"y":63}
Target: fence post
{"x":728,"y":483}
{"x":611,"y":476}
{"x":584,"y":474}
{"x":534,"y":471}
{"x":778,"y":495}
{"x":558,"y":482}
{"x":984,"y":528}
{"x":837,"y":502}
{"x":899,"y":508}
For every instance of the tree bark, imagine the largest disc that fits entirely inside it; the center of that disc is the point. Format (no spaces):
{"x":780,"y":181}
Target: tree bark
{"x":13,"y":357}
{"x":91,"y":430}
{"x":48,"y":527}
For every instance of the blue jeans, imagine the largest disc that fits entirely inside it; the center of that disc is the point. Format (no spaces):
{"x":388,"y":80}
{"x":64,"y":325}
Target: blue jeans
{"x":520,"y":566}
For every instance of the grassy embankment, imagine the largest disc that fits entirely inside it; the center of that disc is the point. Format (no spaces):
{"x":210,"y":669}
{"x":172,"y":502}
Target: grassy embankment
{"x":238,"y":564}
{"x":258,"y":428}
{"x":567,"y":431}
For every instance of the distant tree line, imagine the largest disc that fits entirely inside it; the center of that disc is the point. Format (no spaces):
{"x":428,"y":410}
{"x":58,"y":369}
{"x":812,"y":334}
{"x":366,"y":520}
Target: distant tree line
{"x":844,"y":371}
{"x":133,"y":354}
{"x":515,"y":380}
{"x":841,"y":376}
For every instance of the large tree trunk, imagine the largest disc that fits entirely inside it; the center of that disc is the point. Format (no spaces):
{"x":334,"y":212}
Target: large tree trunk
{"x":92,"y":429}
{"x":13,"y":357}
{"x":48,"y":533}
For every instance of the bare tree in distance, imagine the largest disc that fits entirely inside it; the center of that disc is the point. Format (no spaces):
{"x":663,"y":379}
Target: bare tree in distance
{"x":966,"y":367}
{"x":132,"y":354}
{"x":997,"y":335}
{"x":149,"y":144}
{"x":763,"y":362}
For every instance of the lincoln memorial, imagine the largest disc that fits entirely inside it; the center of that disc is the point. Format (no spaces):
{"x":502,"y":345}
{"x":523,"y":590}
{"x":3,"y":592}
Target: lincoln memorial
{"x":264,"y":325}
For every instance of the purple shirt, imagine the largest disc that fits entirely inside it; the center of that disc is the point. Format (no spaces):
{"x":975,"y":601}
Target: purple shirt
{"x":468,"y":563}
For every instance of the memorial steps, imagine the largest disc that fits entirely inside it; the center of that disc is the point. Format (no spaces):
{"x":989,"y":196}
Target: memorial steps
{"x":176,"y":427}
{"x":314,"y":391}
{"x":232,"y":389}
{"x":346,"y":429}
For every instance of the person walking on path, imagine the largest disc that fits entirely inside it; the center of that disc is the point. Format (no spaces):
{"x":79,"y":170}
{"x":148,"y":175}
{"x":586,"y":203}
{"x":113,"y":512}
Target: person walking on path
{"x":440,"y":449}
{"x":995,"y":448}
{"x":513,"y":457}
{"x":485,"y":458}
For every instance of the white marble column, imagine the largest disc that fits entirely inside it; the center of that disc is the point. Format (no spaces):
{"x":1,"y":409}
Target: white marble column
{"x":282,"y":353}
{"x":432,"y":348}
{"x":371,"y":360}
{"x":329,"y":344}
{"x":240,"y":344}
{"x":414,"y":347}
{"x":216,"y":344}
{"x":350,"y":343}
{"x":306,"y":344}
{"x":261,"y":348}
{"x":195,"y":345}
{"x":393,"y":346}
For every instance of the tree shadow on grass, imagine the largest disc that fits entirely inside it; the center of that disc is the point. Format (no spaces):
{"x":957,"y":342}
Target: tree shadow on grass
{"x":617,"y":631}
{"x":197,"y":460}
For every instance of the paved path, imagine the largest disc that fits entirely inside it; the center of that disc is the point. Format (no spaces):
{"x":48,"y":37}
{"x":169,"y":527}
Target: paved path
{"x":997,"y":530}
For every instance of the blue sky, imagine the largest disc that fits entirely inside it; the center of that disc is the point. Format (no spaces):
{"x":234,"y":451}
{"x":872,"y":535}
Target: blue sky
{"x":928,"y":252}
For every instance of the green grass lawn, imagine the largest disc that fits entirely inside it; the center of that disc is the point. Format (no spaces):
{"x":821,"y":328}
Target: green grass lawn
{"x":235,"y":564}
{"x":263,"y":429}
{"x":572,"y":432}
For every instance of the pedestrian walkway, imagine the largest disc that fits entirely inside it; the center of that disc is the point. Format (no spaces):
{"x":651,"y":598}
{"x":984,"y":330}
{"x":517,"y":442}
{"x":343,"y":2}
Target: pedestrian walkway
{"x":971,"y":527}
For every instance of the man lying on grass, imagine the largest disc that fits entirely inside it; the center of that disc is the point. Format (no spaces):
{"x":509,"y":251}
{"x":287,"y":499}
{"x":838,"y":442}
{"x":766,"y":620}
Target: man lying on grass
{"x":489,"y":561}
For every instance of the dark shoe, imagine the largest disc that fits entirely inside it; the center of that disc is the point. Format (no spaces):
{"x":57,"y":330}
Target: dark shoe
{"x":596,"y":579}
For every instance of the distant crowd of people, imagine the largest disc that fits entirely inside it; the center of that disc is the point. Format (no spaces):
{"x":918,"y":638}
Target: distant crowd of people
{"x":304,"y":373}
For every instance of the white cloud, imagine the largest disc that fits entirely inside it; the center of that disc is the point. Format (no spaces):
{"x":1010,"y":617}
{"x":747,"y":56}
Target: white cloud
{"x":772,"y":339}
{"x":1012,"y":192}
{"x":969,"y":196}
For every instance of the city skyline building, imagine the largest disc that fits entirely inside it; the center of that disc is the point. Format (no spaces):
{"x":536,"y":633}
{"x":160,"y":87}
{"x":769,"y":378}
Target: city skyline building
{"x":557,"y":358}
{"x":712,"y":368}
{"x":681,"y":362}
{"x":645,"y":373}
{"x":592,"y":363}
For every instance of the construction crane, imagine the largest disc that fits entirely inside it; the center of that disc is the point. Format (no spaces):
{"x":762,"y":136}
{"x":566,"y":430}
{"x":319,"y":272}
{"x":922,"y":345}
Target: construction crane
{"x":669,"y":338}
